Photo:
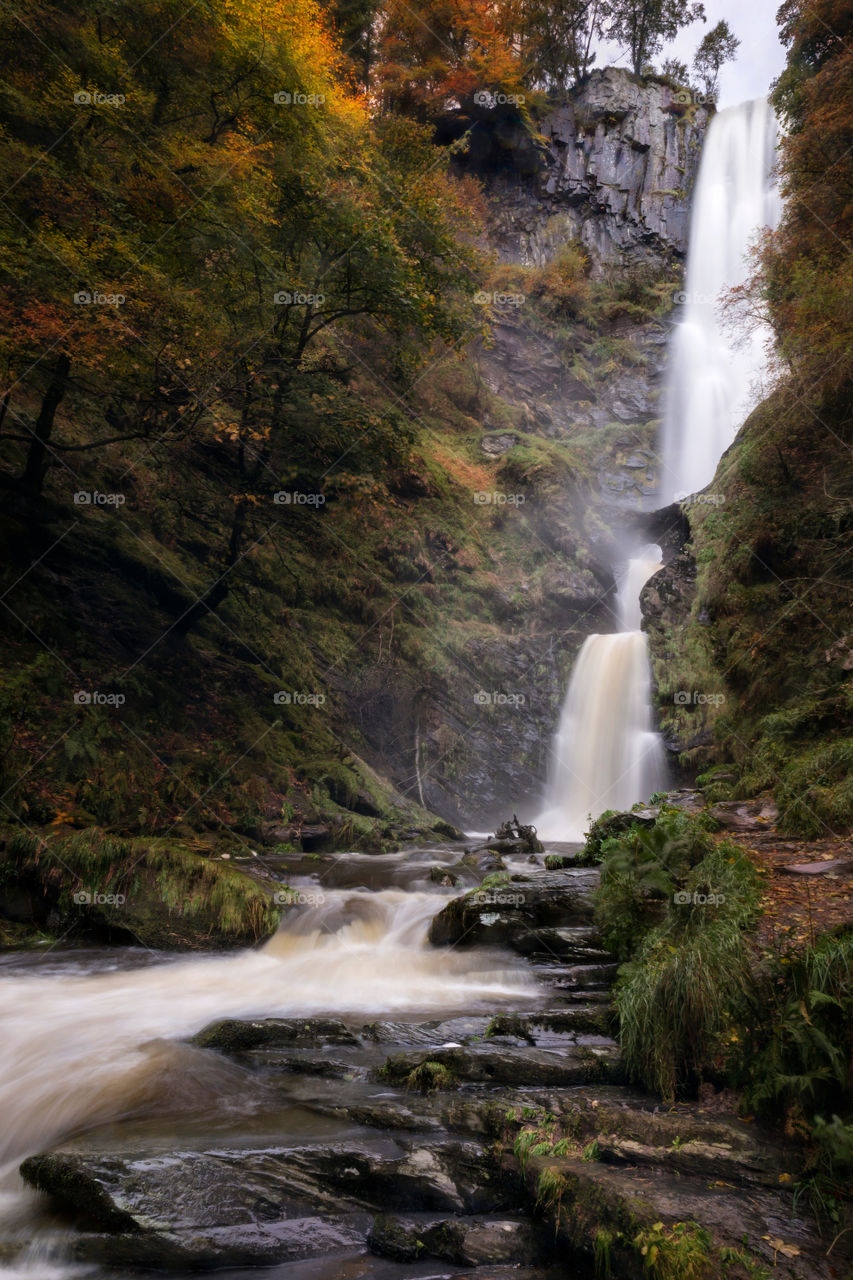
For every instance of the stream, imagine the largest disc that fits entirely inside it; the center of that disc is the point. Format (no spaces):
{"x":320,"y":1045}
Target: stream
{"x":95,"y":1046}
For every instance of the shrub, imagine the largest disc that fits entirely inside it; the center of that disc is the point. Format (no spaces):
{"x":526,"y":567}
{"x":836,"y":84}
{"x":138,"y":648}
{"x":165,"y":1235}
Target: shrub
{"x":676,"y":902}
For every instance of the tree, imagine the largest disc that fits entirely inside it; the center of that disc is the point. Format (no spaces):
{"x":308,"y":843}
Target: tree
{"x":441,"y":56}
{"x":556,"y":39}
{"x":718,"y":46}
{"x":676,"y":70}
{"x":806,"y":276}
{"x":354,"y":20}
{"x":644,"y":26}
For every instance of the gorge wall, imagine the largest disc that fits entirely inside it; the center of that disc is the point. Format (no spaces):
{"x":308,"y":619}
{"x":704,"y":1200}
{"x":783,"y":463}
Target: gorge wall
{"x":405,"y":644}
{"x":613,"y":179}
{"x":615,"y":174}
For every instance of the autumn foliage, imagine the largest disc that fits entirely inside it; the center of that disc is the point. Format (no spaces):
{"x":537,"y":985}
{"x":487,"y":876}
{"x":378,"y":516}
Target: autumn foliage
{"x":808,"y":263}
{"x":196,"y":201}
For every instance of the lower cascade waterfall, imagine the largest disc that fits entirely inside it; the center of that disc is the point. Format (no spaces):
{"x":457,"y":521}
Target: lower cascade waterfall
{"x":606,"y":752}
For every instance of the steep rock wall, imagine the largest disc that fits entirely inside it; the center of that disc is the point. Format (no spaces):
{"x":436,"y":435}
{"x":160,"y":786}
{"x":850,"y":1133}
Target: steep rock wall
{"x":622,"y":156}
{"x":621,"y":160}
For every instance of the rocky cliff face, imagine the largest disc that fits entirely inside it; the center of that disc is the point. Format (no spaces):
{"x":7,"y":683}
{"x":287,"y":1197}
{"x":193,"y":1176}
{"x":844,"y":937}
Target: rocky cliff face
{"x":622,"y":155}
{"x":621,"y":160}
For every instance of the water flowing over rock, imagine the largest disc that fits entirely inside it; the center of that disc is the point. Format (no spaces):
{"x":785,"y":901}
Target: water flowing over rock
{"x":713,"y":376}
{"x":606,"y":753}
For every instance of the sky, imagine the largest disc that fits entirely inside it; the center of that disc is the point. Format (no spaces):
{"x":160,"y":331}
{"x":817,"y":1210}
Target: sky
{"x":760,"y":57}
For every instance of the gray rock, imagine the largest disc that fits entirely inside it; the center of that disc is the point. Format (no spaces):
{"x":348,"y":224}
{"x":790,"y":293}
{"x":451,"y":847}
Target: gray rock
{"x":506,"y":914}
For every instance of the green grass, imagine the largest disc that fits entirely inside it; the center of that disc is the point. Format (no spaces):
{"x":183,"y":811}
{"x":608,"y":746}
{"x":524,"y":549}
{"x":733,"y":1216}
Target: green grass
{"x":674,"y":904}
{"x":681,"y":1251}
{"x":430,"y":1077}
{"x":171,"y":894}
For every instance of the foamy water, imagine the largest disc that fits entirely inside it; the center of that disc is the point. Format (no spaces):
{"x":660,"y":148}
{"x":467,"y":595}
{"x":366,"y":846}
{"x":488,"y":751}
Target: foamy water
{"x":83,"y":1049}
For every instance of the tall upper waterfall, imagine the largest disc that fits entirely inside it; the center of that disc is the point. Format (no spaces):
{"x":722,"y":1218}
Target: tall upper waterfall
{"x":712,"y":379}
{"x":606,"y":753}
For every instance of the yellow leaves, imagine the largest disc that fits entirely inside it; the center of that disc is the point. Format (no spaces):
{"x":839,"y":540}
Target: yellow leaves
{"x":785,"y":1177}
{"x":780,"y":1246}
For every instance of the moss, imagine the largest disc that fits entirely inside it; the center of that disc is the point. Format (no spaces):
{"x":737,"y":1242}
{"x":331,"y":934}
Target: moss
{"x":765,"y":629}
{"x":157,"y":892}
{"x":430,"y":1077}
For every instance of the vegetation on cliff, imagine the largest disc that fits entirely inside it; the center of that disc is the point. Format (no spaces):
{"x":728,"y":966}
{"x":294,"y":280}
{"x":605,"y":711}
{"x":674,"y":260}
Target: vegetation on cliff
{"x":265,"y":519}
{"x":770,"y":629}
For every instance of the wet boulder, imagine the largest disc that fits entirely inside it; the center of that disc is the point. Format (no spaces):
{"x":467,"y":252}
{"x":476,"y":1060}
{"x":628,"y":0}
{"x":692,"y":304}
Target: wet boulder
{"x":505,"y":909}
{"x":465,"y":1241}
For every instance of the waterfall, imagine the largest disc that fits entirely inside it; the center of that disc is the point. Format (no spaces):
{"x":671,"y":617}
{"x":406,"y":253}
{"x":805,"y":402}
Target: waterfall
{"x":606,"y":754}
{"x":712,"y":379}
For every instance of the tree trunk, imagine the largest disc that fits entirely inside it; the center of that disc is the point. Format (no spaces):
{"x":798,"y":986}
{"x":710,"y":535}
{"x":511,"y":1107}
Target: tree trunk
{"x":36,"y":468}
{"x":214,"y":596}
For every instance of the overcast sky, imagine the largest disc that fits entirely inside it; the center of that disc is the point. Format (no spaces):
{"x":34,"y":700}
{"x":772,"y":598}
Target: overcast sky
{"x":760,"y":57}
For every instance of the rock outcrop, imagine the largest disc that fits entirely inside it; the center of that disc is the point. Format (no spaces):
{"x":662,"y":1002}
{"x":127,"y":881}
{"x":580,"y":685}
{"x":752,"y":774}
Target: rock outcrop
{"x":623,"y":154}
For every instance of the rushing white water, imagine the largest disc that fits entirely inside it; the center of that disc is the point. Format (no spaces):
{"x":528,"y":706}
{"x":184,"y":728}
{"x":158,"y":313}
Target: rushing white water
{"x":606,"y":753}
{"x":83,"y":1049}
{"x":713,"y":380}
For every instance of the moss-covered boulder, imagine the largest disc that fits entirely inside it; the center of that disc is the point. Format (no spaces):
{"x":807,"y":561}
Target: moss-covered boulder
{"x":156,"y":892}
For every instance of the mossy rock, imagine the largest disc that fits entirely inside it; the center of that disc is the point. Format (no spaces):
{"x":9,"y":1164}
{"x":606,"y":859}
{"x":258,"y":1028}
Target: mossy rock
{"x":154,"y":892}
